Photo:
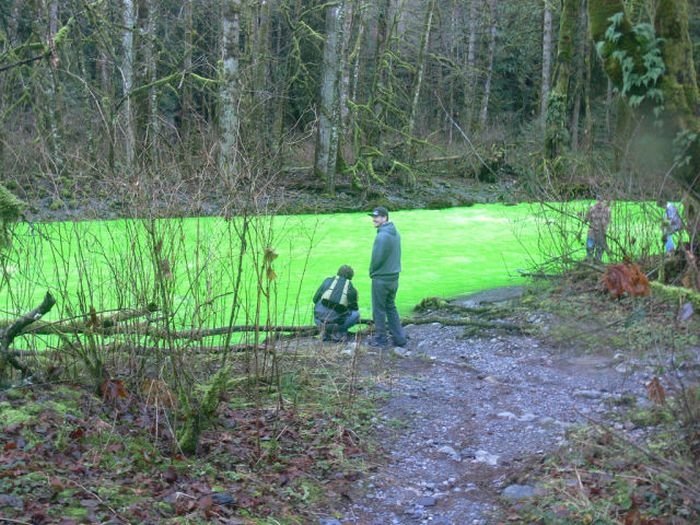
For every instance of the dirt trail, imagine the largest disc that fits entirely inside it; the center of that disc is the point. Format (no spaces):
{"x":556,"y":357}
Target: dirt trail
{"x":465,"y":416}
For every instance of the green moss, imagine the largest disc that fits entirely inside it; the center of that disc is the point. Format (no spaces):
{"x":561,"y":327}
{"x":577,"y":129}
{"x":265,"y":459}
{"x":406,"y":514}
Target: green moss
{"x":651,"y":417}
{"x":78,"y":513}
{"x":13,"y":416}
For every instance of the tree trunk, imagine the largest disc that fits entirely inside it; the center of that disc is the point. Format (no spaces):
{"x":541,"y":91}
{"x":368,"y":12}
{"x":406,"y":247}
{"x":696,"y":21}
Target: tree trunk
{"x":380,"y":76}
{"x":229,"y":92}
{"x":578,"y":77}
{"x":127,"y":71}
{"x":420,"y":69}
{"x":53,"y":95}
{"x":483,"y":118}
{"x":558,"y":134}
{"x":587,"y":79}
{"x":150,"y":58}
{"x":546,"y":59}
{"x":353,"y":122}
{"x":471,"y":72}
{"x":329,"y":121}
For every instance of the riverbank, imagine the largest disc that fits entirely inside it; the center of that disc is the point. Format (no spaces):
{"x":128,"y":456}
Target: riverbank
{"x":494,"y":426}
{"x":291,"y":195}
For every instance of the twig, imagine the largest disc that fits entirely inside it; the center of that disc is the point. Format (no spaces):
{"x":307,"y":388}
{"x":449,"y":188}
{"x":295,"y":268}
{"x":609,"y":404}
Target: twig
{"x":98,"y":498}
{"x":8,"y":520}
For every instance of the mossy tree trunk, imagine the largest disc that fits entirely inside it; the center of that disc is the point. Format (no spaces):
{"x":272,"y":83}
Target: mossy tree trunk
{"x":329,"y":119}
{"x":547,"y":26}
{"x":677,"y":115}
{"x":557,"y":134}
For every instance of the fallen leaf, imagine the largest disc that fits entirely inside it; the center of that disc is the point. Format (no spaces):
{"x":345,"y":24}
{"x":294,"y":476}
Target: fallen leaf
{"x":170,"y":475}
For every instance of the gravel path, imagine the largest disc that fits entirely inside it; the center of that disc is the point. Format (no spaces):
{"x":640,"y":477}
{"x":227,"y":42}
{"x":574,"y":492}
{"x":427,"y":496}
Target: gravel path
{"x":464,"y":417}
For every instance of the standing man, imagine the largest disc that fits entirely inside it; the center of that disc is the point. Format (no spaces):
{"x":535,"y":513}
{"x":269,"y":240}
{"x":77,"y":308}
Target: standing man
{"x":598,"y":218}
{"x":384,"y":269}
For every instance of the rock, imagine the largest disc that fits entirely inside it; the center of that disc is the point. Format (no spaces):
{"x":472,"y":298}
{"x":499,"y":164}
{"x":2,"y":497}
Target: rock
{"x":223,"y":498}
{"x":401,"y":352}
{"x":518,"y":492}
{"x":328,"y":521}
{"x":446,"y":449}
{"x":588,"y":394}
{"x":481,"y":456}
{"x":426,"y":501}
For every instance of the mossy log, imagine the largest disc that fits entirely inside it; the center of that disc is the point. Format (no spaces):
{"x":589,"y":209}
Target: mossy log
{"x":676,"y":293}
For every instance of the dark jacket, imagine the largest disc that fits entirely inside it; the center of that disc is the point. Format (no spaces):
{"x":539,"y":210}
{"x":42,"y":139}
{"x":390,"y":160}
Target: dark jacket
{"x":386,"y":253}
{"x":334,"y":302}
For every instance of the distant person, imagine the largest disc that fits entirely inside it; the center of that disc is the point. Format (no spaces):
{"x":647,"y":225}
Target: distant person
{"x":671,"y":225}
{"x":384,"y":269}
{"x":336,"y":308}
{"x":598,"y":218}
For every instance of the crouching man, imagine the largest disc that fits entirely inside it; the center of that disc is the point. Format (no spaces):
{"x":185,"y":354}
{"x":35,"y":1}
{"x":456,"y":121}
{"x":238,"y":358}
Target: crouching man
{"x":336,"y":307}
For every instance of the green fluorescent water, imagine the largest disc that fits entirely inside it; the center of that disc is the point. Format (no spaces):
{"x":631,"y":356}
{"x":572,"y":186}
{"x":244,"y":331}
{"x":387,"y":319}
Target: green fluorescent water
{"x":445,"y":253}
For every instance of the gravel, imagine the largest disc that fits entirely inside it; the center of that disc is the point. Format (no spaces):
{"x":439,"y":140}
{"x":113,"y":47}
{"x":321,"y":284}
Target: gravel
{"x":464,"y":417}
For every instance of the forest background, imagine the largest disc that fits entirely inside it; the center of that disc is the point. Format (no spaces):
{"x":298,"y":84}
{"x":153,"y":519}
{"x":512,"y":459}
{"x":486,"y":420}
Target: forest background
{"x":204,"y":107}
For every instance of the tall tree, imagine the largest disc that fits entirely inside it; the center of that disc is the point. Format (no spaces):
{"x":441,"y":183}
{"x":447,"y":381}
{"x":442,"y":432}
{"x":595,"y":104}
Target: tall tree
{"x":329,"y":118}
{"x":547,"y":25}
{"x":493,"y":32}
{"x":420,"y":68}
{"x":229,"y":92}
{"x":557,"y":134}
{"x":127,"y":72}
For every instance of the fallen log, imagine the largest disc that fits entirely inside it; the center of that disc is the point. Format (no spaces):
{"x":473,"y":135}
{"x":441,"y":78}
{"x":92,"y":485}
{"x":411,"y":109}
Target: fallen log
{"x":94,"y":323}
{"x":147,"y":329}
{"x":675,"y":293}
{"x":7,"y":335}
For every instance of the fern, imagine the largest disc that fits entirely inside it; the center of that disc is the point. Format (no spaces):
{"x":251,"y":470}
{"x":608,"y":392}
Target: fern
{"x":639,"y":78}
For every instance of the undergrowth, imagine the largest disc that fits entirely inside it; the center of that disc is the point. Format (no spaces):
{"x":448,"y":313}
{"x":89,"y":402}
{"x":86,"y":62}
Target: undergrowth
{"x":257,"y":461}
{"x":642,"y":468}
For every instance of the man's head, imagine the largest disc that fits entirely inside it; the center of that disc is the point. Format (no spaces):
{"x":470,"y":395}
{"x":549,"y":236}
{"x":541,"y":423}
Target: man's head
{"x":346,"y":271}
{"x":379,"y":215}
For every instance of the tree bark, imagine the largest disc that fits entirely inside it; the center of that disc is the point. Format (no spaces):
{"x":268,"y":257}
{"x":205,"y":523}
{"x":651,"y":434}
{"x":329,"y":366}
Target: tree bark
{"x":53,"y":95}
{"x":150,"y":58}
{"x":329,"y":119}
{"x":558,"y":134}
{"x":8,"y":334}
{"x":546,"y":58}
{"x":471,"y":72}
{"x":127,"y":71}
{"x":420,"y":69}
{"x":229,"y":93}
{"x":483,"y":117}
